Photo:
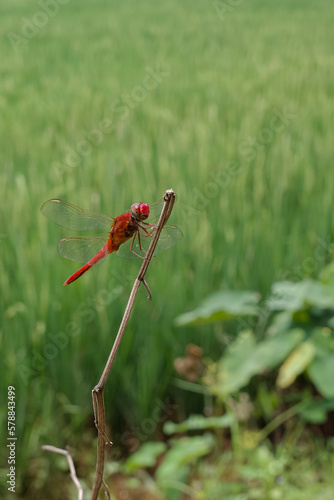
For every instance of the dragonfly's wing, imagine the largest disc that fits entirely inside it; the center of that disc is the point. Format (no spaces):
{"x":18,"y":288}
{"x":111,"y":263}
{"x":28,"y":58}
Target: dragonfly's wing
{"x":169,"y":236}
{"x":155,"y":211}
{"x":74,"y":218}
{"x":125,"y":252}
{"x":81,"y":248}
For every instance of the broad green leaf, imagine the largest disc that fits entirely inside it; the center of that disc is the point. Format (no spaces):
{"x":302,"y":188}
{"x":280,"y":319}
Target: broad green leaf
{"x":323,"y":340}
{"x":295,"y":364}
{"x":321,"y":372}
{"x":233,"y":370}
{"x":247,"y":359}
{"x":284,"y":297}
{"x":145,"y":457}
{"x":222,"y":306}
{"x":316,"y":413}
{"x":199,"y":422}
{"x":327,"y":274}
{"x":183,"y":452}
{"x":298,"y":296}
{"x":280,"y":322}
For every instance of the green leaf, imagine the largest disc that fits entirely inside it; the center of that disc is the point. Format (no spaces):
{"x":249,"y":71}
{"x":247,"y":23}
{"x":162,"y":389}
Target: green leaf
{"x":327,"y":274}
{"x":245,"y":359}
{"x":323,"y":341}
{"x":284,"y":297}
{"x":316,"y":413}
{"x":301,"y":295}
{"x":281,"y":322}
{"x":222,"y":306}
{"x":199,"y":422}
{"x":321,"y":372}
{"x":145,"y":457}
{"x":295,"y":364}
{"x":183,"y":452}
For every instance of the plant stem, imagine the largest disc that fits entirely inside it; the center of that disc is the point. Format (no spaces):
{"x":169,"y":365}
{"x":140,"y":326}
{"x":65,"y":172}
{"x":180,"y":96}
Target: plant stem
{"x":97,"y":392}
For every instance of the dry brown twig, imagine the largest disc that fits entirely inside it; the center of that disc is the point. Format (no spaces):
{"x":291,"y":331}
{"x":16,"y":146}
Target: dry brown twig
{"x":71,"y":466}
{"x":97,"y":392}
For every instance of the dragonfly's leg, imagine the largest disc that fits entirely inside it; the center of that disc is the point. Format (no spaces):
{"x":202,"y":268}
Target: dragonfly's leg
{"x":135,"y":253}
{"x":153,"y":228}
{"x":142,"y":225}
{"x":148,"y":289}
{"x":106,"y":490}
{"x":103,"y":434}
{"x":148,"y":235}
{"x":145,"y":229}
{"x":139,"y":240}
{"x":131,"y":246}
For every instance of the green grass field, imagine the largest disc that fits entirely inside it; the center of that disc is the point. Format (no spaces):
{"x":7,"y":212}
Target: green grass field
{"x":233,"y":111}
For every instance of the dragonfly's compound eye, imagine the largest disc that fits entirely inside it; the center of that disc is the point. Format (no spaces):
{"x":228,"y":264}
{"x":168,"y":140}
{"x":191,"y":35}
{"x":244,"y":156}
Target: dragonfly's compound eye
{"x":135,"y":209}
{"x":144,"y":211}
{"x":140,"y":210}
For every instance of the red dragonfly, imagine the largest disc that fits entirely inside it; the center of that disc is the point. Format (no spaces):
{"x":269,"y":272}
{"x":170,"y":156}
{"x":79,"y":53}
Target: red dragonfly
{"x":131,"y":227}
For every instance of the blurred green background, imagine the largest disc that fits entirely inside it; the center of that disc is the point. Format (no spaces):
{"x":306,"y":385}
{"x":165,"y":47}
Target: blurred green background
{"x":237,"y":119}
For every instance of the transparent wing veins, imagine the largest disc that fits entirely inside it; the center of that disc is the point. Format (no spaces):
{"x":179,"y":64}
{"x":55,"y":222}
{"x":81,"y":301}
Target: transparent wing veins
{"x":81,"y":248}
{"x":169,"y":236}
{"x":74,"y":218}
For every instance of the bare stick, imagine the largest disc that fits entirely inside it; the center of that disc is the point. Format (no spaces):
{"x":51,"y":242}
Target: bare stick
{"x":97,"y":392}
{"x":71,"y":466}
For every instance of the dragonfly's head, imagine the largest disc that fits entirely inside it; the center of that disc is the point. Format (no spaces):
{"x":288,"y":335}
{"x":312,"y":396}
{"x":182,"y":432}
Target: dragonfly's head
{"x":140,"y":211}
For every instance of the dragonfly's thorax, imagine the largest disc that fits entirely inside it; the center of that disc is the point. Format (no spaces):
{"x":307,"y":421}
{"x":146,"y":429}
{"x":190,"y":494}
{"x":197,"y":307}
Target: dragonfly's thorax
{"x":124,"y":227}
{"x":132,"y":226}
